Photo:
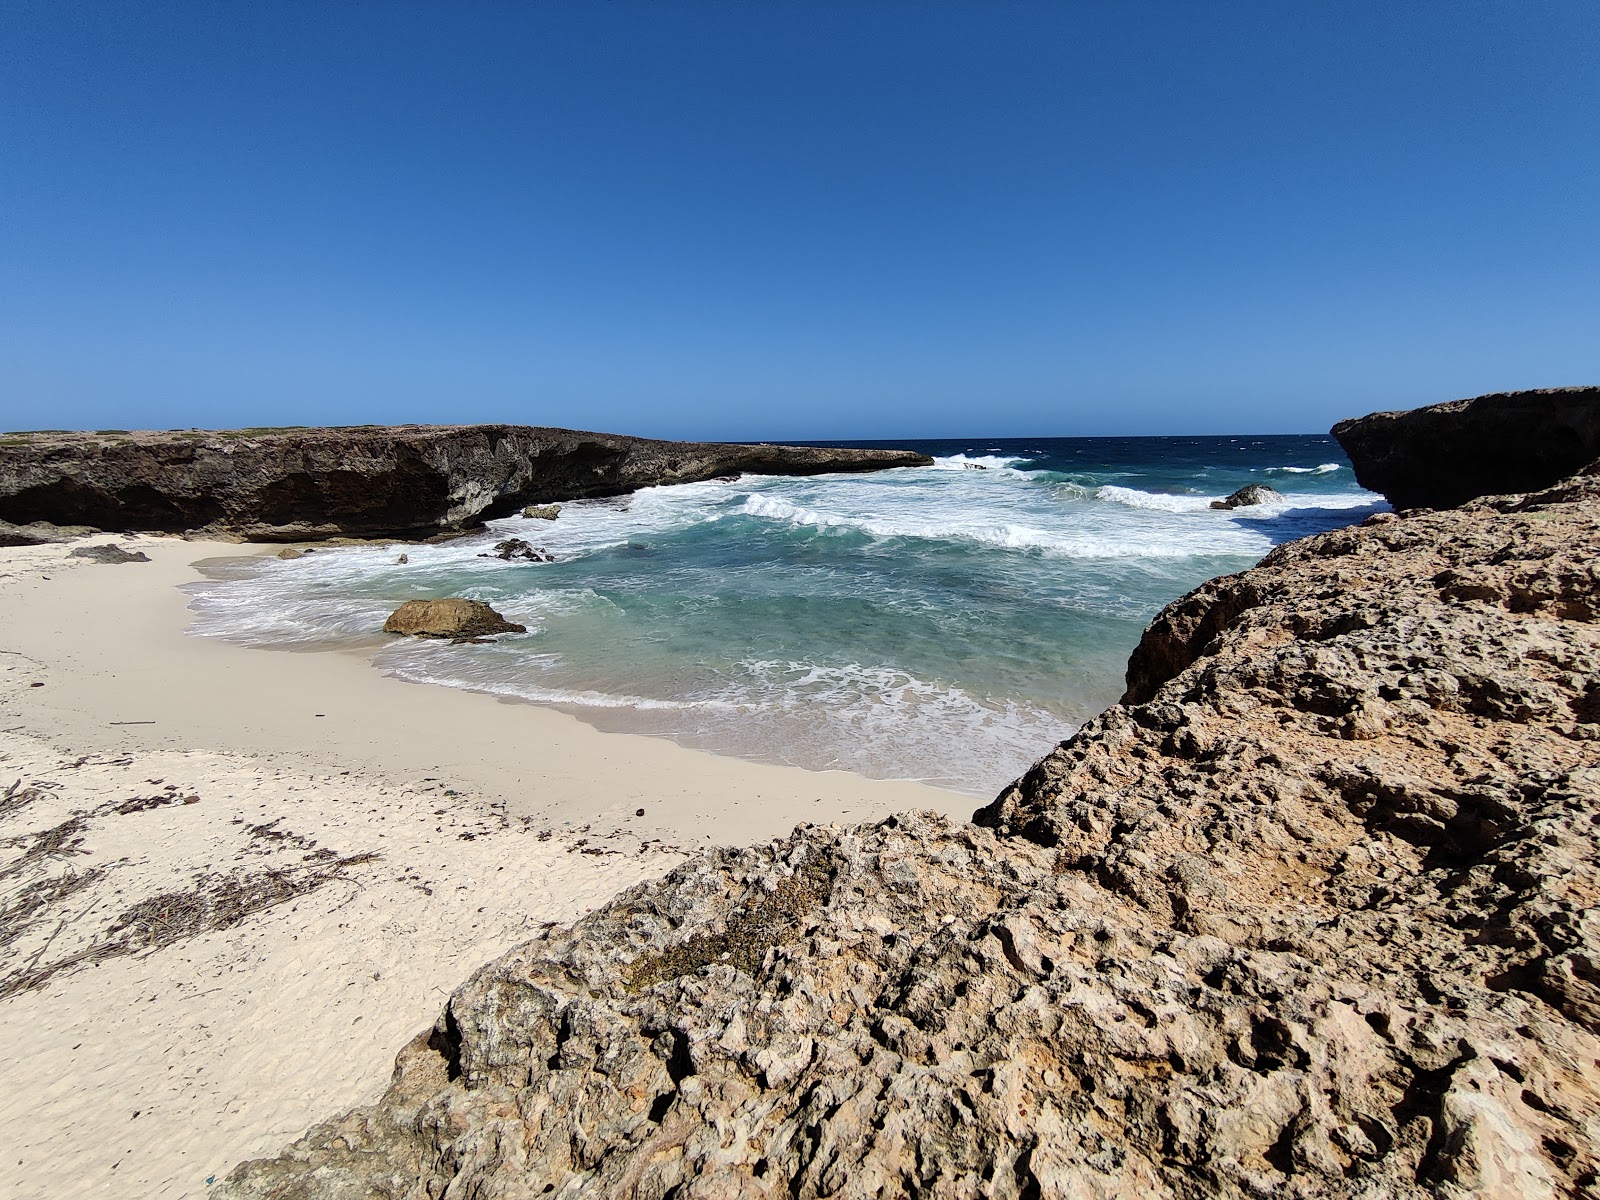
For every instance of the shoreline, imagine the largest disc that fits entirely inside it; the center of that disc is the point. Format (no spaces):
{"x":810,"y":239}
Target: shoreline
{"x":153,"y":768}
{"x":260,"y":701}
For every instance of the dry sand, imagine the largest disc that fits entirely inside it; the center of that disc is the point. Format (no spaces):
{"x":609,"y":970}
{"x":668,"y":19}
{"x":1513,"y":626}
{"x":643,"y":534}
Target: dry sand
{"x":233,"y":882}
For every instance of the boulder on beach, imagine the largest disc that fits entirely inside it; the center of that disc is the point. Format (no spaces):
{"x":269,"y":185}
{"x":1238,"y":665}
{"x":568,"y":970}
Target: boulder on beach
{"x":452,"y":617}
{"x":109,"y":554}
{"x":542,"y":512}
{"x":1253,"y":493}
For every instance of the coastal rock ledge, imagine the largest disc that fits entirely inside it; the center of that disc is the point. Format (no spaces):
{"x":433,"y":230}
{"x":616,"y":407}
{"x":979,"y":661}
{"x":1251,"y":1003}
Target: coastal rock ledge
{"x":401,"y":481}
{"x":1313,"y":912}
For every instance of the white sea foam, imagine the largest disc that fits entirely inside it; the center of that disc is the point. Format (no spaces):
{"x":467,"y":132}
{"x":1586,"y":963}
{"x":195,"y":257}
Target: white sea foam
{"x":969,"y":462}
{"x":1084,"y":541}
{"x":1324,"y":469}
{"x":1155,"y":501}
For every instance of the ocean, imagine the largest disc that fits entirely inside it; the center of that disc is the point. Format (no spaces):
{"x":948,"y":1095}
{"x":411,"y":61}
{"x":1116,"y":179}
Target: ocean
{"x":948,"y":624}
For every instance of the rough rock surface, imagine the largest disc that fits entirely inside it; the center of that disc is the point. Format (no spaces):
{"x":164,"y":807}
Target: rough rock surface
{"x":1250,"y":494}
{"x":1447,"y":454}
{"x":376,"y":481}
{"x":542,"y":512}
{"x":452,"y":617}
{"x":1313,"y":912}
{"x":109,"y":554}
{"x":517,"y":548}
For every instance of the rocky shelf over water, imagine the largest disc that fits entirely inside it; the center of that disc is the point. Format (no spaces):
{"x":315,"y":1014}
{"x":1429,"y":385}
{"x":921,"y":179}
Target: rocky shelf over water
{"x":1447,"y":454}
{"x":1313,"y":912}
{"x":402,"y":481}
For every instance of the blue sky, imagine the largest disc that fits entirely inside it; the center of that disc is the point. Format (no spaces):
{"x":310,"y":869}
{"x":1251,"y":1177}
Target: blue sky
{"x":811,"y":220}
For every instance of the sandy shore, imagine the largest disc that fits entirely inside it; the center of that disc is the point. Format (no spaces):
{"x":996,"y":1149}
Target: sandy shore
{"x":233,"y":882}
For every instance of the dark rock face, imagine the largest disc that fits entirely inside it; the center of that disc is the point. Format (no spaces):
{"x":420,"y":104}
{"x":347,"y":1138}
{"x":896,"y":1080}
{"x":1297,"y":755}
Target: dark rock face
{"x":517,"y":548}
{"x":400,"y":481}
{"x":1447,"y":454}
{"x":1250,"y":494}
{"x":1313,"y":912}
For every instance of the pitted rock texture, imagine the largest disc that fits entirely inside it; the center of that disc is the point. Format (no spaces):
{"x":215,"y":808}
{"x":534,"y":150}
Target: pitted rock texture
{"x":1447,"y":454}
{"x":1313,"y":913}
{"x":408,"y":481}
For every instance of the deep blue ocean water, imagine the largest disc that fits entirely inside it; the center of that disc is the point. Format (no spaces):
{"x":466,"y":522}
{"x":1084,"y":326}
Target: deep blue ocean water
{"x":947,"y":623}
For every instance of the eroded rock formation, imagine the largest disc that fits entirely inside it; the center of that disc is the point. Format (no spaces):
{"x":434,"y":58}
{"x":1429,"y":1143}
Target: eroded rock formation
{"x":391,"y":481}
{"x":1447,"y":454}
{"x":1311,"y":913}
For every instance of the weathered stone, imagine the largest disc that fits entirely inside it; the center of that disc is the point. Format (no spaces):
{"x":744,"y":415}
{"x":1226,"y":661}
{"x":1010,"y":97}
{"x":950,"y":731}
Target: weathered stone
{"x":108,"y":554}
{"x":454,"y":618}
{"x":1311,"y":913}
{"x":406,"y":481}
{"x":1502,"y":443}
{"x":1250,"y":494}
{"x":542,"y":512}
{"x":291,"y":552}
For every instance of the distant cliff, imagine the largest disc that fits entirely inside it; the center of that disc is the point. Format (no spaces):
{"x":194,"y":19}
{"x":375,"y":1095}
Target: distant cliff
{"x":366,"y":481}
{"x":1314,"y":912}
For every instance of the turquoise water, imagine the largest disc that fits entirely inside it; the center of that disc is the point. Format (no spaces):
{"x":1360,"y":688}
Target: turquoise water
{"x":947,"y":623}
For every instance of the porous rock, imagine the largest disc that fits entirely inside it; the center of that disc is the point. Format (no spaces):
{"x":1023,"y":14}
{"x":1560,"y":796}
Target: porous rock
{"x":1250,"y":494}
{"x":1447,"y":454}
{"x":452,"y":617}
{"x":542,"y":512}
{"x":404,"y":481}
{"x":1311,"y":913}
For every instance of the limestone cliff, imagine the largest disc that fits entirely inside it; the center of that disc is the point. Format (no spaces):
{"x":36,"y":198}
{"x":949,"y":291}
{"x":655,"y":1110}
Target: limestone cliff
{"x":1313,"y":912}
{"x":366,"y":481}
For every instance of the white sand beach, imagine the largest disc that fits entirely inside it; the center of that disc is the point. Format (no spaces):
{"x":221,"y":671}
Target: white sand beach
{"x":233,"y":882}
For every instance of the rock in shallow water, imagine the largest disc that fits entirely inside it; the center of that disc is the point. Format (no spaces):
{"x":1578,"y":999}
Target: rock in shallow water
{"x":453,"y":618}
{"x":1250,"y":494}
{"x":517,"y":548}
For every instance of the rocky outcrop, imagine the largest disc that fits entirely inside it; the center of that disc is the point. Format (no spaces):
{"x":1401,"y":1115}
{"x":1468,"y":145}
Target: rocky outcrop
{"x":542,"y":512}
{"x":1313,"y":912}
{"x":41,"y":533}
{"x":1250,"y":494}
{"x":1447,"y":454}
{"x":454,"y":618}
{"x":409,"y":481}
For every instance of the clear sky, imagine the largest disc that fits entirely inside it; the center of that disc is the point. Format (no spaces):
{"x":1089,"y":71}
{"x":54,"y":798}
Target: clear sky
{"x":823,"y":219}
